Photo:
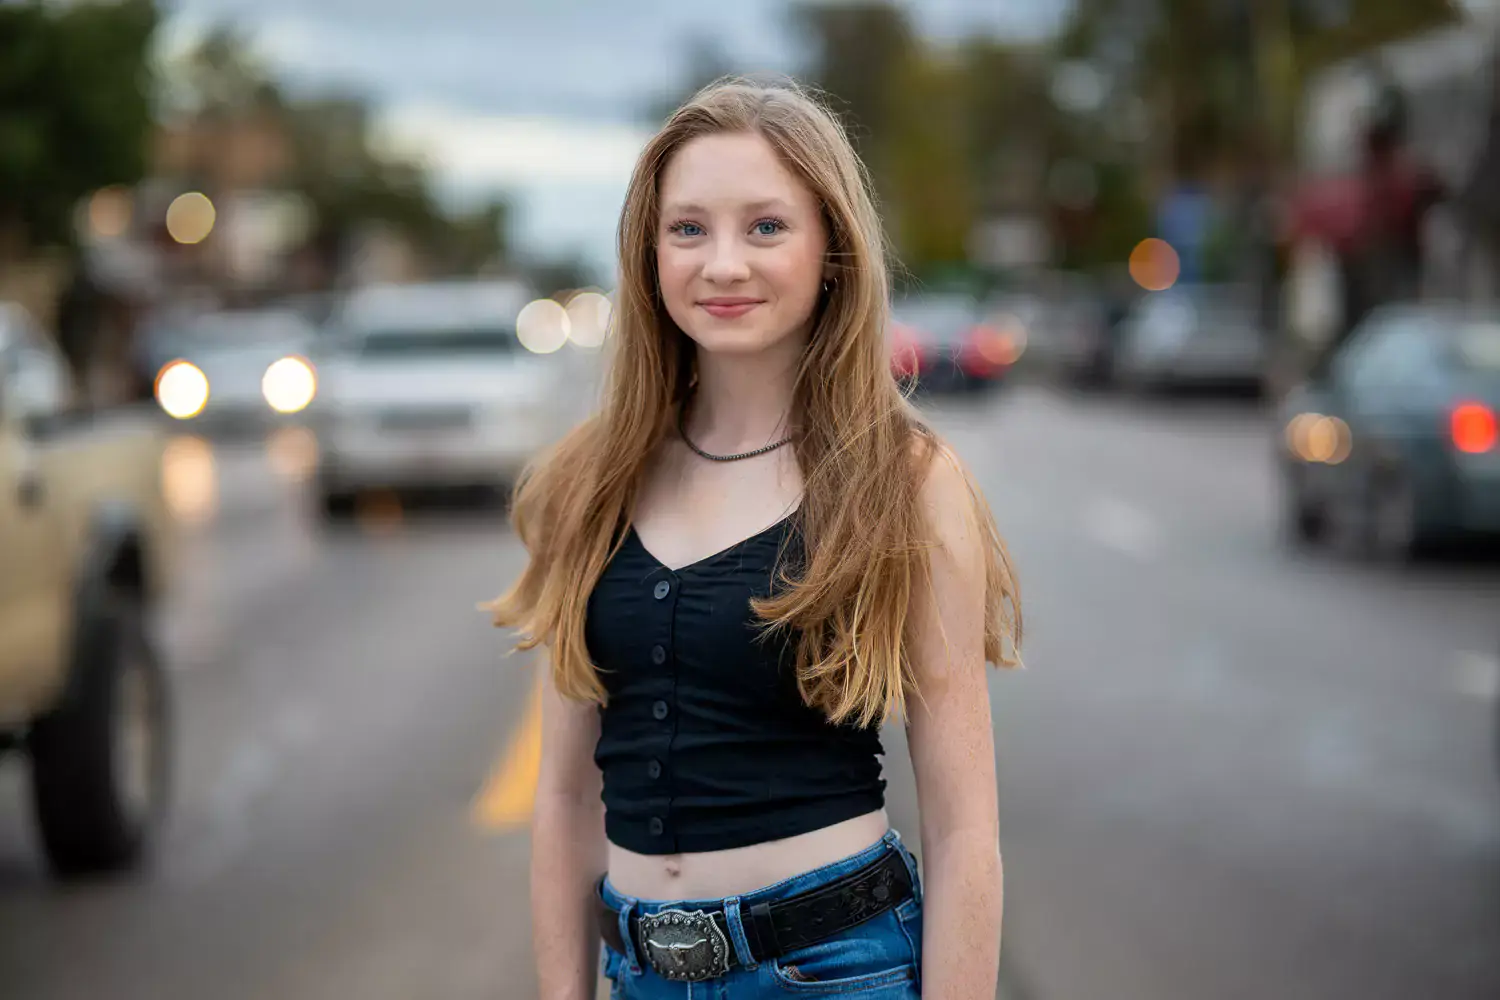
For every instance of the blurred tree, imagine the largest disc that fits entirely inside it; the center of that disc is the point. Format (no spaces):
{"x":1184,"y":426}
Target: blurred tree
{"x":347,"y":181}
{"x":925,"y":179}
{"x":1223,"y":76}
{"x":75,"y":114}
{"x":859,"y":52}
{"x":219,"y":76}
{"x":476,"y":240}
{"x":551,"y":276}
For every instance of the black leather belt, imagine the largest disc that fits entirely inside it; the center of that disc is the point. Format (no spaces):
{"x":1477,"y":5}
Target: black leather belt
{"x":696,"y":945}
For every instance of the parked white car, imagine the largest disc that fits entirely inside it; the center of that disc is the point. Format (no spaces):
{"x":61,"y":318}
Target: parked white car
{"x":424,"y":386}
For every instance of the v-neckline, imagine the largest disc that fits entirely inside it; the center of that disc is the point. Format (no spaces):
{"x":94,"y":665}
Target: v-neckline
{"x":715,"y":556}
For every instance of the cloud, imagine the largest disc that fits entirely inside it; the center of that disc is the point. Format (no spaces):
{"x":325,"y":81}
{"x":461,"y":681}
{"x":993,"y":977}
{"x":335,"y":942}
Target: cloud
{"x":567,"y":177}
{"x":506,"y":150}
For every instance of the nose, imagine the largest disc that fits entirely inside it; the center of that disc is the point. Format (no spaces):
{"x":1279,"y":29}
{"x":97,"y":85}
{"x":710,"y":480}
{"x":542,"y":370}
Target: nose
{"x":726,"y":263}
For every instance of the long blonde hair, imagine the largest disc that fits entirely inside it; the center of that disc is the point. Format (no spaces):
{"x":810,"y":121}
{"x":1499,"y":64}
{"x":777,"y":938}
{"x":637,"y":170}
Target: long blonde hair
{"x":863,"y":448}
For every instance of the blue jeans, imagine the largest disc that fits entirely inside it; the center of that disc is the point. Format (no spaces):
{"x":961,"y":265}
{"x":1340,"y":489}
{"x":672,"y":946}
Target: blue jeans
{"x":880,"y":958}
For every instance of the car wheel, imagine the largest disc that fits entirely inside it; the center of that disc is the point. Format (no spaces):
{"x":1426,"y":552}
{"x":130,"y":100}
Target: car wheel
{"x":336,"y":506}
{"x":1395,"y":528}
{"x":101,"y":762}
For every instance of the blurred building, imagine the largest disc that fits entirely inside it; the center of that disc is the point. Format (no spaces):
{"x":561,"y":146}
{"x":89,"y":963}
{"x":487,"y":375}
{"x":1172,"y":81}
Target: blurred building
{"x":1404,"y":137}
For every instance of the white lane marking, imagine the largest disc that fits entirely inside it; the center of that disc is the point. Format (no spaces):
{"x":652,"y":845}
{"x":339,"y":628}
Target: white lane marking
{"x":1122,"y":526}
{"x":1476,"y":674}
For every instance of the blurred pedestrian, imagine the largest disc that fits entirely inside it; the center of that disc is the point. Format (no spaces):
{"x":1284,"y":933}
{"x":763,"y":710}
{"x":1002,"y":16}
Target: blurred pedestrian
{"x":1396,"y":189}
{"x":755,"y":554}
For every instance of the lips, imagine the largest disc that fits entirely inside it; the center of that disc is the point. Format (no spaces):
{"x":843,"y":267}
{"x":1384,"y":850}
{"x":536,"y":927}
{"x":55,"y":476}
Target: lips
{"x":728,"y":308}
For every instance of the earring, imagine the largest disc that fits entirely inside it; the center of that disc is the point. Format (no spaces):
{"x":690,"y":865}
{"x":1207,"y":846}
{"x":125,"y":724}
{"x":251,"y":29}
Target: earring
{"x":827,"y":286}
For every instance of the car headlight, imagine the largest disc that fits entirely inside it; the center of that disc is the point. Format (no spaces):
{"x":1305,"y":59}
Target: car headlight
{"x":181,"y":389}
{"x":289,"y":385}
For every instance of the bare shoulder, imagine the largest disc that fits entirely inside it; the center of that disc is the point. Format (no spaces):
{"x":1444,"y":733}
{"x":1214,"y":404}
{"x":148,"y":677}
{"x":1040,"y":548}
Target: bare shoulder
{"x":950,"y":505}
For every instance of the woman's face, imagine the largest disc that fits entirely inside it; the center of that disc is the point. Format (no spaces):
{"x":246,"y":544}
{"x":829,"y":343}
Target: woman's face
{"x":740,"y":245}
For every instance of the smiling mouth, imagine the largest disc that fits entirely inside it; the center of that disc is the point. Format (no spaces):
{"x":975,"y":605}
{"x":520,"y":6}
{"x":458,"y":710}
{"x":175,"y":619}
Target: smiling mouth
{"x":726,"y":308}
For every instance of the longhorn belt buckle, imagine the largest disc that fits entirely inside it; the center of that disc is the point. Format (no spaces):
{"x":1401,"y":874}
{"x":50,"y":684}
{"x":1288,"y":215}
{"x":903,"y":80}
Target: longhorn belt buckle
{"x":684,"y":946}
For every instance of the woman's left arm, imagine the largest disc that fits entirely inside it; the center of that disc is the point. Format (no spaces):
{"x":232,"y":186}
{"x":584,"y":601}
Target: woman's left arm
{"x":953,"y":753}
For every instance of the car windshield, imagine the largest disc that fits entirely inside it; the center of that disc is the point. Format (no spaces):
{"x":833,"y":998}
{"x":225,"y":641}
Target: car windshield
{"x":415,"y":343}
{"x":1477,"y":346}
{"x":234,"y":330}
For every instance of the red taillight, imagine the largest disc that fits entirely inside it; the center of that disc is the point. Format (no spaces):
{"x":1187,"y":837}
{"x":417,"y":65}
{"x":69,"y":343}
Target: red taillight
{"x":906,"y":351}
{"x":986,"y":350}
{"x":1472,"y":426}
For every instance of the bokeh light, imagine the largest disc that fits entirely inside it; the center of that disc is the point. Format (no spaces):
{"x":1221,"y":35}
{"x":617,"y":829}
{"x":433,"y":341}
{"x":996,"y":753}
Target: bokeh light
{"x":1296,"y":434}
{"x":289,"y":385}
{"x":182,"y":389}
{"x":110,"y":212}
{"x":1327,"y":440}
{"x":543,"y":326}
{"x":1154,"y":265}
{"x":1313,"y":437}
{"x":588,"y":319}
{"x":191,"y":217}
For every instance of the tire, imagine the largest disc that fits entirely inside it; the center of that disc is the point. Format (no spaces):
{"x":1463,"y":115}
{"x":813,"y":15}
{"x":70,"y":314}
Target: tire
{"x":1398,"y":535}
{"x":336,"y":506}
{"x":101,"y":762}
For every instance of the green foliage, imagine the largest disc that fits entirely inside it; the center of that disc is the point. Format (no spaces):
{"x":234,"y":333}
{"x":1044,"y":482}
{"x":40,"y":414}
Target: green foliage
{"x":75,"y":108}
{"x":860,"y":52}
{"x":348,"y":183}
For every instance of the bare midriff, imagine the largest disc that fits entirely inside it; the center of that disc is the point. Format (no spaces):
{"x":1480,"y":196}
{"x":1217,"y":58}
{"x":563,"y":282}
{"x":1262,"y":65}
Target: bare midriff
{"x":740,"y":870}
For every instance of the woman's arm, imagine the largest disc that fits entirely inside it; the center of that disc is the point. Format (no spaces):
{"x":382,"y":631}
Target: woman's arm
{"x":567,"y":850}
{"x":953,"y":755}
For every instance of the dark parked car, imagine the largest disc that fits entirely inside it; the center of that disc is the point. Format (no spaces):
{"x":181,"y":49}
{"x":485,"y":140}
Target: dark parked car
{"x":1192,"y":336}
{"x":943,"y":343}
{"x":1392,"y":445}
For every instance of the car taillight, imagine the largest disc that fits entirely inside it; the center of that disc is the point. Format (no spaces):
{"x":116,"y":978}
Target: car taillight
{"x":1472,"y":426}
{"x":906,"y":360}
{"x":906,"y":351}
{"x":985,"y":351}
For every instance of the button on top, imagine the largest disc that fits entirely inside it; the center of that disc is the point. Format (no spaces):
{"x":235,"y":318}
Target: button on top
{"x":656,"y":826}
{"x":659,"y":710}
{"x":658,"y":655}
{"x":663,"y":588}
{"x":654,"y":769}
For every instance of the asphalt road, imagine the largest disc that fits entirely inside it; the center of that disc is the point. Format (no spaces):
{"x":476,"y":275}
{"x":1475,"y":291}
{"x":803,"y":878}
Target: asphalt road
{"x":1227,"y":771}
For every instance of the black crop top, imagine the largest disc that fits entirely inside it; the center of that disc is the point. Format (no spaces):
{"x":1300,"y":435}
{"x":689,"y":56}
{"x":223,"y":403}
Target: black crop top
{"x":705,"y":743}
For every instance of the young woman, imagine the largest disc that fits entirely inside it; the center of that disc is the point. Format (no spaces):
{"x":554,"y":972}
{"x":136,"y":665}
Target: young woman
{"x":754,"y":555}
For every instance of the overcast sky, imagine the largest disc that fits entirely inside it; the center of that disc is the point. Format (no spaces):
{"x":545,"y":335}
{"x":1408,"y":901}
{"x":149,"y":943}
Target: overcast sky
{"x":539,"y":98}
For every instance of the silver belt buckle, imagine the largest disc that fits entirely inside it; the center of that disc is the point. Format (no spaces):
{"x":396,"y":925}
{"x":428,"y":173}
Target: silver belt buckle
{"x":683,"y":946}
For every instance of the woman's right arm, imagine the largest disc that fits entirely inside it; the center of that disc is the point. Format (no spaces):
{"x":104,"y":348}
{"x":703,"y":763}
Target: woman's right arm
{"x":567,"y":849}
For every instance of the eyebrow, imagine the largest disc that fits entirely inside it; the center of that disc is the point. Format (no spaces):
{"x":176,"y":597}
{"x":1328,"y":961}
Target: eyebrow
{"x":754,"y":206}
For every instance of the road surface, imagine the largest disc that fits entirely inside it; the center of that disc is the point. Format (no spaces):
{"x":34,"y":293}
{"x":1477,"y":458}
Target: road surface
{"x":1228,"y":770}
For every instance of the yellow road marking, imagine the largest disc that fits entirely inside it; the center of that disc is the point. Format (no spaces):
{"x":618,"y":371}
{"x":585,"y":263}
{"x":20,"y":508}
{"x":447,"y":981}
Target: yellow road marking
{"x":506,"y":800}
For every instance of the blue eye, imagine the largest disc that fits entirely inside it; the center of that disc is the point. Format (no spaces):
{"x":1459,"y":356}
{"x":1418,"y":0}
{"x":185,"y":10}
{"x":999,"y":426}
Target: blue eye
{"x":769,"y":227}
{"x":685,"y":229}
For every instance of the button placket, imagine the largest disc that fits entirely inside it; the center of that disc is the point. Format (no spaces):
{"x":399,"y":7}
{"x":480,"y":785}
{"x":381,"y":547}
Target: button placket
{"x":664,"y":593}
